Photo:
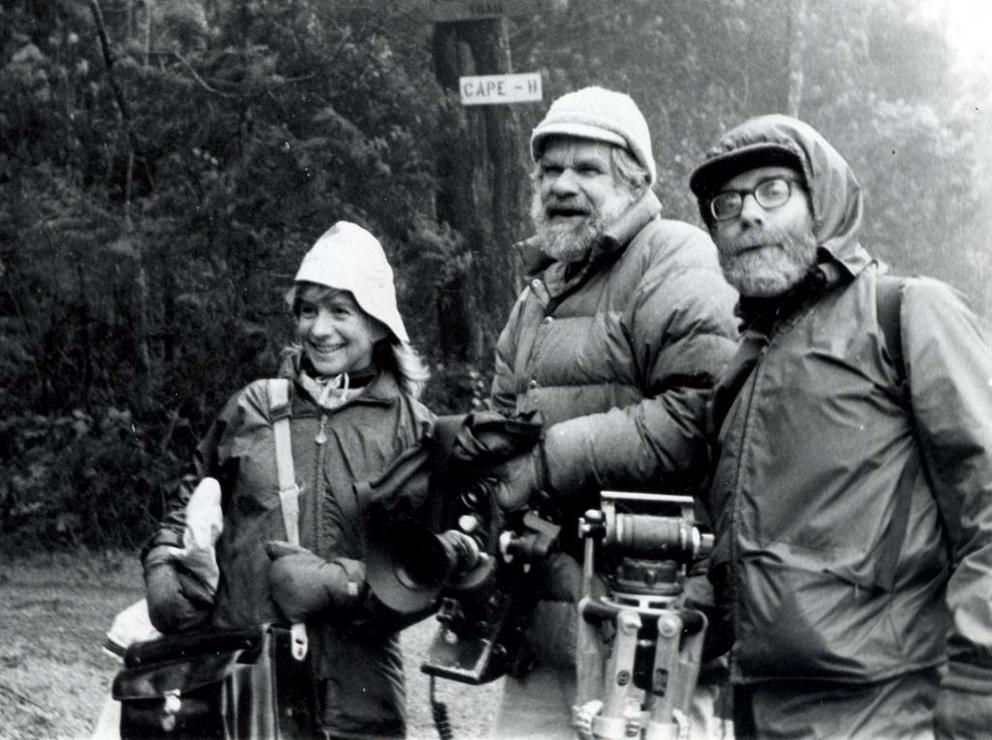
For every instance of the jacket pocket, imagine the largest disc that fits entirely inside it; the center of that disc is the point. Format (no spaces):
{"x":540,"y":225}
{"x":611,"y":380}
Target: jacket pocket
{"x":810,"y":623}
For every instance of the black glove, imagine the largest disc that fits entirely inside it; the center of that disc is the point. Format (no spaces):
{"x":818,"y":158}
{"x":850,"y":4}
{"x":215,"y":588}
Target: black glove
{"x":303,"y":584}
{"x":519,"y":478}
{"x":178,"y":600}
{"x":964,"y":705}
{"x":181,"y":573}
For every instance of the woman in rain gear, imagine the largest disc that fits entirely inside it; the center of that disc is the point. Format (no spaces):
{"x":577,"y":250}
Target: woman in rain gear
{"x":353,"y":408}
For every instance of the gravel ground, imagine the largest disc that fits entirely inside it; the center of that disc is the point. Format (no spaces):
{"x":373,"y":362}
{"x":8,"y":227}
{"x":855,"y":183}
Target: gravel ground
{"x":54,"y":676}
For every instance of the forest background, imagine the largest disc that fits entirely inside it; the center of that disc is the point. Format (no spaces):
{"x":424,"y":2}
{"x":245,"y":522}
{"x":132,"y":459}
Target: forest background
{"x":165,"y":164}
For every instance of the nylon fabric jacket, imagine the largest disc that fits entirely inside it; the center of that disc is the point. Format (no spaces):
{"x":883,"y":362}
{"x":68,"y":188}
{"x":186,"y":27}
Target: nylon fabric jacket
{"x":363,"y":670}
{"x":619,"y":355}
{"x":823,"y":446}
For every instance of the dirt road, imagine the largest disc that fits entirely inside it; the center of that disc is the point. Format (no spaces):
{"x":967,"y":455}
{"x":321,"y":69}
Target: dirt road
{"x":54,"y":676}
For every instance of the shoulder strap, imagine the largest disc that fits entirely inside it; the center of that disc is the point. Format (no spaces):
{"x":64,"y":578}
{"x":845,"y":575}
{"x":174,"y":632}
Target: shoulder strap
{"x":289,"y":492}
{"x":280,"y":410}
{"x":888,"y":306}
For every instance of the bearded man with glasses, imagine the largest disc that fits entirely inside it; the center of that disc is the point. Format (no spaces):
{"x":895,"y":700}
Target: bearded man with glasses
{"x":851,"y":489}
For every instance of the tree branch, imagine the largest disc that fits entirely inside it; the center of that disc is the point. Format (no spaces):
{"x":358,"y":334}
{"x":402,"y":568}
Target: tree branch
{"x":203,"y":83}
{"x":108,"y":61}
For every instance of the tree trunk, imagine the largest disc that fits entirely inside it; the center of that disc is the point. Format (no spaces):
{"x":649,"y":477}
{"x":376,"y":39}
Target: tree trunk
{"x":504,"y":175}
{"x":142,"y":349}
{"x":148,"y":31}
{"x":86,"y":320}
{"x":455,"y":201}
{"x":480,"y":174}
{"x":797,"y":50}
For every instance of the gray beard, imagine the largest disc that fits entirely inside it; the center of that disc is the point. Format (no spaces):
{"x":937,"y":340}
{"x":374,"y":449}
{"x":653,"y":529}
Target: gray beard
{"x":771,"y":272}
{"x":572,"y":242}
{"x":567,"y":243}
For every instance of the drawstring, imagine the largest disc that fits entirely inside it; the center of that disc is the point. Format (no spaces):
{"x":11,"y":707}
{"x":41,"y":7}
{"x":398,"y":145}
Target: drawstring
{"x":340,"y":383}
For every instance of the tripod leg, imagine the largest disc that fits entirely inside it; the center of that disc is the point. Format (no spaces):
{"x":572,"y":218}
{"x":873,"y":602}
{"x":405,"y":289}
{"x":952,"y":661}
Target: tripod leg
{"x":618,"y":715}
{"x":673,"y":681}
{"x":690,"y":658}
{"x":590,"y":657}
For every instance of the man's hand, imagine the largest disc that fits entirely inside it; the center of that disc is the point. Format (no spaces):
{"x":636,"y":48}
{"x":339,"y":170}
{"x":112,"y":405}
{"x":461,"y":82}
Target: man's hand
{"x":303,"y":584}
{"x":964,"y":705}
{"x":520,"y":477}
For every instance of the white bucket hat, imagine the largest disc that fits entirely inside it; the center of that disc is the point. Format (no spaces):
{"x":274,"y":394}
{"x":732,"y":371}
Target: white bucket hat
{"x":347,"y":257}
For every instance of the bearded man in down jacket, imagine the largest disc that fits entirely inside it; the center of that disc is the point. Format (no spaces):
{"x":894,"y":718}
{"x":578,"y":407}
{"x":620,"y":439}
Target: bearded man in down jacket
{"x":852,"y":491}
{"x":617,"y":341}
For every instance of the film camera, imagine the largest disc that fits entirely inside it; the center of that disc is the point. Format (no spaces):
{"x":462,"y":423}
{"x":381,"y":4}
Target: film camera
{"x":472,"y":575}
{"x":638,"y":647}
{"x":458,"y":553}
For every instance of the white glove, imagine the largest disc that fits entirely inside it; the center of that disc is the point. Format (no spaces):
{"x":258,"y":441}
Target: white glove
{"x":204,"y":523}
{"x":130,"y":626}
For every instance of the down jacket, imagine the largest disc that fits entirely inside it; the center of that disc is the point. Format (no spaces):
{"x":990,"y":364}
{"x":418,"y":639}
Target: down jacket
{"x":360,"y":670}
{"x":619,"y":356}
{"x":853,"y":516}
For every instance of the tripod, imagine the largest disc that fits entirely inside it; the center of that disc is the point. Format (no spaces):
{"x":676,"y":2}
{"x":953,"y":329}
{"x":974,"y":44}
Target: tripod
{"x":638,"y":650}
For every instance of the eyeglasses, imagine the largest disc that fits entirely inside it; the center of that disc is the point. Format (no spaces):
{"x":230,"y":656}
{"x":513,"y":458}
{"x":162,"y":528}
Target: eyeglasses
{"x":771,"y":193}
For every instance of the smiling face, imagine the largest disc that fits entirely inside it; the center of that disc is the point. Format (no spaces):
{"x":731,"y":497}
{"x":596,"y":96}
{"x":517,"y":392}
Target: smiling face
{"x":336,"y":334}
{"x":765,"y":252}
{"x":576,"y":195}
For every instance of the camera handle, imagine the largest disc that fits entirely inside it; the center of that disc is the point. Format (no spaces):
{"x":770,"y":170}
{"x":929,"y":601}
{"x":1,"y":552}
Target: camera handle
{"x":609,"y":703}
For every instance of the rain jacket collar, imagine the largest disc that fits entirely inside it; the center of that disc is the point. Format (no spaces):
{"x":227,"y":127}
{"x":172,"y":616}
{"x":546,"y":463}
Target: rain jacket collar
{"x":382,"y":389}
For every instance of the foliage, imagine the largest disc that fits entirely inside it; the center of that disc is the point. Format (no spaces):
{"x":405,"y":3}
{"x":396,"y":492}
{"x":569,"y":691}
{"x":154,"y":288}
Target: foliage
{"x":156,"y":195}
{"x":77,"y":480}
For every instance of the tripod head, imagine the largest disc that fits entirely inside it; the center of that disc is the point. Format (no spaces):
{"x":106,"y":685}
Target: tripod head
{"x":638,"y":649}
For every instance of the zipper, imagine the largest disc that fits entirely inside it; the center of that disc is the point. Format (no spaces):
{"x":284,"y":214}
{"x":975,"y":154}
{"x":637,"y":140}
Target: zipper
{"x":777,"y":330}
{"x":318,"y":485}
{"x":735,"y":671}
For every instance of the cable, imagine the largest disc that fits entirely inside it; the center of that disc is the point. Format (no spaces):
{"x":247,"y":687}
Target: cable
{"x":440,"y":713}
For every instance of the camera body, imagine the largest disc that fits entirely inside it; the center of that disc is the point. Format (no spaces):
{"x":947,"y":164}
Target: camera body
{"x":640,"y":543}
{"x":480,"y":634}
{"x":638,"y":649}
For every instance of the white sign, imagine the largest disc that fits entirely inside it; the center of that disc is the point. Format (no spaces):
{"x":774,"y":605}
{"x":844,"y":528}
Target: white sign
{"x":494,"y":89}
{"x":443,"y":11}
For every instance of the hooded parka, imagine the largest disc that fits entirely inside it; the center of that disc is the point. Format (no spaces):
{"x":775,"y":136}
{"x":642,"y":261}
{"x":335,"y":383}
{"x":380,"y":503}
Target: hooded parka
{"x":334,"y":446}
{"x":851,"y":497}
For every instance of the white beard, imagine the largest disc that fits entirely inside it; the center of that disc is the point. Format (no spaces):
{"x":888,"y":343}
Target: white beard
{"x":571,"y":242}
{"x":770,"y":271}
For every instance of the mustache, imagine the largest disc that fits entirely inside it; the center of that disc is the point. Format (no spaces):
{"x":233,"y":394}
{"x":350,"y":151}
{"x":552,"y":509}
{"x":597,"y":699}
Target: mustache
{"x":764,"y":238}
{"x":564,"y":206}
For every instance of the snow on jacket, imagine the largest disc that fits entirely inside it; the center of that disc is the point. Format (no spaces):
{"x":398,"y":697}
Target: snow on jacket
{"x":619,"y":357}
{"x":819,"y":452}
{"x":332,"y":449}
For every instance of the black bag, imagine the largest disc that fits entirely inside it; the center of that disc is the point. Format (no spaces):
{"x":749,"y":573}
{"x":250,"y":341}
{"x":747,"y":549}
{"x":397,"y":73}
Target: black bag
{"x":230,"y":684}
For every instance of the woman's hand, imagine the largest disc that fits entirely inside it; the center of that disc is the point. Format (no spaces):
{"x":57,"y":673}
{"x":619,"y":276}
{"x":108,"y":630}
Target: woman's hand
{"x":303,"y":584}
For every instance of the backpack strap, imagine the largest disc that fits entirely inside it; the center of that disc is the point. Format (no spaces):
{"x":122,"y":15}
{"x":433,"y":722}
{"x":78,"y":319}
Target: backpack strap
{"x":280,"y":411}
{"x":888,"y":307}
{"x":289,"y":492}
